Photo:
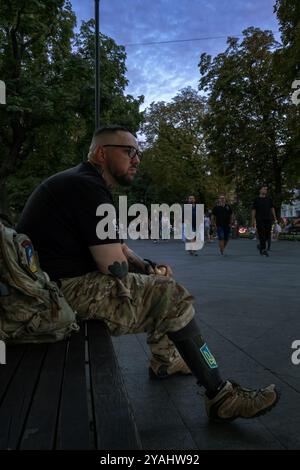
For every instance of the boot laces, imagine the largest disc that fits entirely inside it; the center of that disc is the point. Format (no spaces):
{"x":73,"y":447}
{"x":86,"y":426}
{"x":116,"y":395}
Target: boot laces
{"x":244,"y":393}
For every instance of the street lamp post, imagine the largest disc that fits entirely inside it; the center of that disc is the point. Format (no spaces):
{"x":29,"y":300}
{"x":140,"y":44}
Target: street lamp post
{"x":97,"y":66}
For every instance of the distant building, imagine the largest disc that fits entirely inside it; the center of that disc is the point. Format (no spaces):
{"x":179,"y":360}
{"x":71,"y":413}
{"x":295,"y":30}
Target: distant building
{"x":292,"y":209}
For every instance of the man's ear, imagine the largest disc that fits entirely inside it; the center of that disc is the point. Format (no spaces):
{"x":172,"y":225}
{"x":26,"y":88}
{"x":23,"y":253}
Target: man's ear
{"x":99,"y":154}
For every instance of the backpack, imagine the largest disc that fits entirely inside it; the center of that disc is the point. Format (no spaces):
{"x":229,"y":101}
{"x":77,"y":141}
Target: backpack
{"x":32,"y":308}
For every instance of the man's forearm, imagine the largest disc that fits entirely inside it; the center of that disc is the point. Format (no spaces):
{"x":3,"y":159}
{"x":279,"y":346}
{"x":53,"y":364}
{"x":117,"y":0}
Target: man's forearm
{"x":135,"y":263}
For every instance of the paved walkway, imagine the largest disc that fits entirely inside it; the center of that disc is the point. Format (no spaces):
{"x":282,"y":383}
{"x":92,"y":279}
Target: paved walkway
{"x":248,"y":307}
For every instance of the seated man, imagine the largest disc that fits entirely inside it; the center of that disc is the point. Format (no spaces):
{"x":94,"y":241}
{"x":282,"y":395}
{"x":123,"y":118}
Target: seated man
{"x":105,"y":279}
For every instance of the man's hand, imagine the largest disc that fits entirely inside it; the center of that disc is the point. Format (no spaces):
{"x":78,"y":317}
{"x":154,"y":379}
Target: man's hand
{"x":145,"y":266}
{"x":163,"y":270}
{"x":158,"y":269}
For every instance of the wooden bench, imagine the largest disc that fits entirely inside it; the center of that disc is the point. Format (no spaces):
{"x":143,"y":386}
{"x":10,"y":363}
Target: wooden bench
{"x":66,"y":395}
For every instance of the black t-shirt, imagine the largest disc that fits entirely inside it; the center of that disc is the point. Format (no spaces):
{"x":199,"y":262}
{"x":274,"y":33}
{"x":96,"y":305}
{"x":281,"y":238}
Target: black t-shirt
{"x":194,"y":215}
{"x":263,"y":206}
{"x":222,"y":215}
{"x":60,"y":219}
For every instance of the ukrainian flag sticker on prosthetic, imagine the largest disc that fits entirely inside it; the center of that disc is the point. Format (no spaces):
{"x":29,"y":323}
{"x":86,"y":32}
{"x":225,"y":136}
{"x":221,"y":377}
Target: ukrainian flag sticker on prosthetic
{"x":209,"y":358}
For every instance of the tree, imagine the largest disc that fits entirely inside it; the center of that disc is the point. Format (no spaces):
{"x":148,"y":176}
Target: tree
{"x":115,"y":106}
{"x":288,"y":14}
{"x":35,"y":42}
{"x":287,"y":62}
{"x":246,"y":127}
{"x":48,"y":121}
{"x":175,"y":159}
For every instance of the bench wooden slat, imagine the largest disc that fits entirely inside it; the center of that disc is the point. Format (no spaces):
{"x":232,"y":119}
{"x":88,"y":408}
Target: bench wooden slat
{"x":66,"y":395}
{"x":114,"y":419}
{"x":17,"y":400}
{"x":74,"y":422}
{"x":13,"y":356}
{"x":40,"y":429}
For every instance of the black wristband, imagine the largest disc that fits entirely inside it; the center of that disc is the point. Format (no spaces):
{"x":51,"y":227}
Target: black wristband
{"x":151,"y":263}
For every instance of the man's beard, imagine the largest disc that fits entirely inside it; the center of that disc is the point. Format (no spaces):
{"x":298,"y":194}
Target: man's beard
{"x":123,"y":179}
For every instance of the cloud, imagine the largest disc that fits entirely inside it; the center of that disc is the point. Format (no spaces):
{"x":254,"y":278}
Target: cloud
{"x":159,"y":71}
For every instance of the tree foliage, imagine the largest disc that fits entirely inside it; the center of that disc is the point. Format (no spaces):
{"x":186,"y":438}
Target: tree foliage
{"x":240,"y":130}
{"x":48,"y":121}
{"x":287,"y":62}
{"x":247,"y":124}
{"x":288,"y":14}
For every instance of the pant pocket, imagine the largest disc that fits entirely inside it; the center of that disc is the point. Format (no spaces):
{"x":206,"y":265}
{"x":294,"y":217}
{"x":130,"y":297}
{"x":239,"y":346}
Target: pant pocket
{"x":120,"y":314}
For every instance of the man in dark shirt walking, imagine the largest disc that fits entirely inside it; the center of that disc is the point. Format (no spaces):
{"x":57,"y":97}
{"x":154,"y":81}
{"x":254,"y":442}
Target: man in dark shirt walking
{"x":263,"y":213}
{"x":222,"y":218}
{"x":192,"y":200}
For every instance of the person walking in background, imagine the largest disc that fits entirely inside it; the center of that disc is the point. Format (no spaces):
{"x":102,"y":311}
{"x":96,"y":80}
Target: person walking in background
{"x":207,"y":227}
{"x":263,"y":212}
{"x":276,"y":231}
{"x":165,"y":225}
{"x":152,"y":225}
{"x":222,"y":218}
{"x":211,"y":230}
{"x":191,"y":200}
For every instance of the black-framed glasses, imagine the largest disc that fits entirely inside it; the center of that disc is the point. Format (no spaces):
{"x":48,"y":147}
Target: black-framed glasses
{"x":132,"y":151}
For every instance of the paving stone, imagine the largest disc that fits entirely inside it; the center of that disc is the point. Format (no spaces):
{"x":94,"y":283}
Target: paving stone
{"x":248,"y":309}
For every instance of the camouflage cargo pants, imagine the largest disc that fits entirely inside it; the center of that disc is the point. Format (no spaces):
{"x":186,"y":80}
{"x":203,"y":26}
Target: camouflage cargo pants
{"x":137,"y":303}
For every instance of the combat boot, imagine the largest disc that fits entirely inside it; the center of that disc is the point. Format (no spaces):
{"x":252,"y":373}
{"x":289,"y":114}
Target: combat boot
{"x":158,"y":370}
{"x":234,"y":401}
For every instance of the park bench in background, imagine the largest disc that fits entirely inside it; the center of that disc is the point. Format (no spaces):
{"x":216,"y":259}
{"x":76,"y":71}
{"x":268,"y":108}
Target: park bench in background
{"x":66,"y":395}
